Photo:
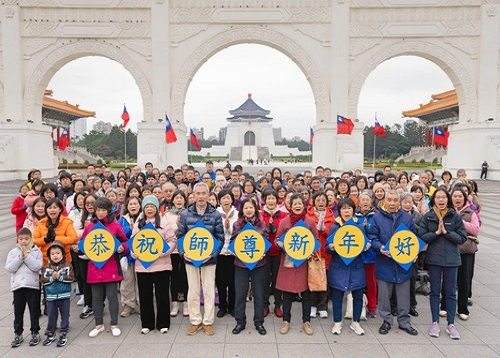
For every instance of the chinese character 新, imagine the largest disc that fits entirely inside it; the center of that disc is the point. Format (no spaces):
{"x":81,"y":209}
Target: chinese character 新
{"x":298,"y":242}
{"x":147,"y":244}
{"x":198,"y":243}
{"x":99,"y":245}
{"x":249,"y":244}
{"x":404,"y":245}
{"x":348,"y":241}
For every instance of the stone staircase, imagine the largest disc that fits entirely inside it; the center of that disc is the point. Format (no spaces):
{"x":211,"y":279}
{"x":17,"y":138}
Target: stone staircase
{"x":76,"y":153}
{"x":426,"y":153}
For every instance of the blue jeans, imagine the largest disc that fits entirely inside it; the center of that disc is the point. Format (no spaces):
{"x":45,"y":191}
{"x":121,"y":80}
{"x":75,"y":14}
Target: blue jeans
{"x":53,"y":309}
{"x":357,"y":304}
{"x":449,"y":280}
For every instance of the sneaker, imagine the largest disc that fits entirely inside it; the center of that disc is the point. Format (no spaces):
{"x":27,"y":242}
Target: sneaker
{"x":51,"y":337}
{"x":452,"y":331}
{"x":463,"y":316}
{"x":185,"y":309}
{"x":193,"y":329}
{"x":63,"y":340}
{"x":285,"y":327}
{"x":175,"y":309}
{"x":314,"y":311}
{"x":95,"y":332}
{"x":81,"y":301}
{"x":35,"y":339}
{"x":356,"y":328}
{"x":86,"y":312}
{"x":372,"y":314}
{"x":164,"y":330}
{"x":145,"y":330}
{"x":443,"y":313}
{"x":323,"y":314}
{"x":16,"y":342}
{"x":116,"y":331}
{"x":308,"y":328}
{"x":434,"y":330}
{"x":337,"y":328}
{"x":209,"y":330}
{"x":127,"y":311}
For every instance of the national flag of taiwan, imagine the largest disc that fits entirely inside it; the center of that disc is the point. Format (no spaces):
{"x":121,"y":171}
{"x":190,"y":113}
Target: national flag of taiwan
{"x":125,"y":116}
{"x":194,"y":140}
{"x":63,"y":141}
{"x":344,"y":125}
{"x":441,"y":136}
{"x":379,"y":130}
{"x":311,"y":135}
{"x":170,"y":136}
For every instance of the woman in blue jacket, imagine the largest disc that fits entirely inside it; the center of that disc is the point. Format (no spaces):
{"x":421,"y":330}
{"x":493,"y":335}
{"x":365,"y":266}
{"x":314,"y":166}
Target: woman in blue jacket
{"x":342,"y":277}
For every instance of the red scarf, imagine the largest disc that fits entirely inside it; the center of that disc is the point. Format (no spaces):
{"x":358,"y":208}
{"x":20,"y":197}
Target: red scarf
{"x":294,"y":218}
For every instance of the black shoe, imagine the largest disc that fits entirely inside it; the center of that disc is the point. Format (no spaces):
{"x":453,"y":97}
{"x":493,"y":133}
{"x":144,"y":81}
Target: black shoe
{"x":221,"y":312}
{"x":384,"y":328}
{"x":86,"y":312}
{"x":231,"y":312}
{"x":35,"y":339}
{"x":239,"y":328}
{"x":16,"y":342}
{"x":410,"y":330}
{"x":394,"y":312}
{"x":51,"y":337}
{"x":298,"y":297}
{"x":469,"y":302}
{"x":63,"y":340}
{"x":262,"y":331}
{"x":413,"y":312}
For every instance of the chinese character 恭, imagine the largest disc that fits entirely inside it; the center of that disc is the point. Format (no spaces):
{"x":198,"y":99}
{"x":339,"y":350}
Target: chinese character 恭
{"x":404,"y":244}
{"x":298,"y":242}
{"x":99,"y":245}
{"x":147,"y":244}
{"x":348,"y":241}
{"x":198,"y":243}
{"x":249,"y":244}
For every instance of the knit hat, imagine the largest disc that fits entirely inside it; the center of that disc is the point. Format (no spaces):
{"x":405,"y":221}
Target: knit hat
{"x":150,"y":199}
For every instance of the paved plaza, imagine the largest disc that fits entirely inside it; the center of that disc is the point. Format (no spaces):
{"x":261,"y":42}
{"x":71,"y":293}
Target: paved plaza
{"x":480,"y":335}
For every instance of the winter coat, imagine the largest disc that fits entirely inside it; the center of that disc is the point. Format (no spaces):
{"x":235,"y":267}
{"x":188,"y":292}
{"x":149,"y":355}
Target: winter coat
{"x":341,"y":276}
{"x":470,"y":220}
{"x":228,"y":232}
{"x":383,"y":226}
{"x":277,"y":216}
{"x":127,"y":224}
{"x":442,"y":250}
{"x":211,"y":219}
{"x":293,"y":279}
{"x":76,"y":216}
{"x":59,"y":289}
{"x":261,"y":228}
{"x":24,"y":270}
{"x":31,"y":222}
{"x":65,"y":233}
{"x":365,"y":219}
{"x":111,"y":271}
{"x":322,"y":234}
{"x":19,"y":211}
{"x":163,"y":263}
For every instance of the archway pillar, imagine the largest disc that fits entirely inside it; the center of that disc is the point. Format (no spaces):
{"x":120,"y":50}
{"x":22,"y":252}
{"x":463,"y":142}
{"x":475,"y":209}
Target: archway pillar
{"x":324,"y":148}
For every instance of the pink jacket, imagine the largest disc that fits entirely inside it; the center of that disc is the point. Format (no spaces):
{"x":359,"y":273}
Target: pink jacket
{"x":163,"y":263}
{"x":111,"y":271}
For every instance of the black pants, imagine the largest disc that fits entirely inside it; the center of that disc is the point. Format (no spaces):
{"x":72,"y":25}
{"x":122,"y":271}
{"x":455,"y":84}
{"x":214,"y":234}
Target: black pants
{"x":464,"y":282}
{"x":86,"y":289}
{"x":484,"y":172}
{"x":178,"y":279}
{"x":288,"y":298}
{"x":242,"y":278}
{"x":31,"y":297}
{"x":224,"y":280}
{"x":413,"y":292}
{"x":156,"y":283}
{"x":53,"y":310}
{"x":272,"y":267}
{"x":76,"y":270}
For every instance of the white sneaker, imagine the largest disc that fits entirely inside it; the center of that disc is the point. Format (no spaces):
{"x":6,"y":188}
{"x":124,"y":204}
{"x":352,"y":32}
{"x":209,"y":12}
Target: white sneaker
{"x":145,"y":331}
{"x":81,"y":301}
{"x":356,"y":328}
{"x":323,"y":314}
{"x":185,"y":309}
{"x":443,"y":313}
{"x":95,"y":332}
{"x":164,"y":330}
{"x":463,"y":316}
{"x":175,"y":309}
{"x":337,"y":328}
{"x":116,"y":331}
{"x":314,"y":311}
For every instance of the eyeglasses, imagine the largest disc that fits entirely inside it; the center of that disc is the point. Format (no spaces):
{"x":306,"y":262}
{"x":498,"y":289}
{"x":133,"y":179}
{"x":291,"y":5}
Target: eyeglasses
{"x":90,"y":204}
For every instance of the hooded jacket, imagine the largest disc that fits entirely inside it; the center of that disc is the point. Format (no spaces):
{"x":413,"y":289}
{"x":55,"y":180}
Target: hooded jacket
{"x":60,"y":288}
{"x":24,"y":270}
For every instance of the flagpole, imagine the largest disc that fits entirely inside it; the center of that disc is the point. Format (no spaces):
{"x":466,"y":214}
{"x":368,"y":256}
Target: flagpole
{"x":125,"y":149}
{"x":374,"y":143}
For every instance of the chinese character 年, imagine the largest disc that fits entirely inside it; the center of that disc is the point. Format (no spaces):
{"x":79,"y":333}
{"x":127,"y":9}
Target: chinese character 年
{"x":348,"y":241}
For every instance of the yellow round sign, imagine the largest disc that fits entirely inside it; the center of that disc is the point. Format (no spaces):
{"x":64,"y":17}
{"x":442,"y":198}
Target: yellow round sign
{"x":404,"y":246}
{"x":299,"y":243}
{"x":349,"y":241}
{"x":249,"y":246}
{"x":147,"y":245}
{"x":198,"y":244}
{"x":99,"y":245}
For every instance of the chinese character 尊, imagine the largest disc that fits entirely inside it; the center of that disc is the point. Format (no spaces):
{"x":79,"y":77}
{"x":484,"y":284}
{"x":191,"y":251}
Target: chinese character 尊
{"x":198,"y":243}
{"x":99,"y":245}
{"x":147,"y":244}
{"x":297,"y":242}
{"x":348,"y":241}
{"x":250,"y":247}
{"x":404,"y":245}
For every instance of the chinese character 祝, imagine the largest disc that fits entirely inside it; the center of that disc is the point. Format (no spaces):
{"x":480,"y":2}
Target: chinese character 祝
{"x":249,"y":246}
{"x":146,"y":244}
{"x":298,"y":242}
{"x":99,"y":245}
{"x":404,"y":244}
{"x":198,"y":243}
{"x":348,"y":241}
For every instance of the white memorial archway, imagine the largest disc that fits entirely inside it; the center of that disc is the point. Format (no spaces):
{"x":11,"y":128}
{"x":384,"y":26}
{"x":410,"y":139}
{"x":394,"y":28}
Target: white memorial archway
{"x":163,"y":43}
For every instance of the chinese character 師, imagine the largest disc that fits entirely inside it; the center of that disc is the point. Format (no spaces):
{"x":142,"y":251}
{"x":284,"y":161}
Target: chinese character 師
{"x":198,"y":243}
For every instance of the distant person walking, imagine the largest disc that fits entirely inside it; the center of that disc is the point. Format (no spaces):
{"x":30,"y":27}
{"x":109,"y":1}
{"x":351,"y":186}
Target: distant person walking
{"x":484,"y":170}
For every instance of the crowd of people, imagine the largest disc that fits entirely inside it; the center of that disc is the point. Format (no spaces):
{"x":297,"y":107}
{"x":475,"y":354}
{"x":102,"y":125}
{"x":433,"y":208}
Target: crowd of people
{"x":52,"y":218}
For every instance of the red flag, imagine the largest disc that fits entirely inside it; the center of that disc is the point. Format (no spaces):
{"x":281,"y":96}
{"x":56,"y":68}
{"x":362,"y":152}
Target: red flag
{"x":63,"y":141}
{"x":170,"y":136}
{"x":344,"y":125}
{"x":125,"y":116}
{"x":441,"y":136}
{"x":379,"y":130}
{"x":194,"y":140}
{"x":311,"y":135}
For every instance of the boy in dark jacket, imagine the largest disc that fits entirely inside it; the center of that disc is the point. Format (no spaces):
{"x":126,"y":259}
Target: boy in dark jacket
{"x":57,"y":277}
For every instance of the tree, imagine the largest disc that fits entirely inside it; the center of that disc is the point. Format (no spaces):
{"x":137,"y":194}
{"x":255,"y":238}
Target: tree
{"x":415,"y":134}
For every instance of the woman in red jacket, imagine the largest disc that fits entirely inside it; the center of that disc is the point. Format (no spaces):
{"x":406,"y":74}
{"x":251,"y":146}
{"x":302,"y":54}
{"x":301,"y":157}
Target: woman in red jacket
{"x":18,"y":208}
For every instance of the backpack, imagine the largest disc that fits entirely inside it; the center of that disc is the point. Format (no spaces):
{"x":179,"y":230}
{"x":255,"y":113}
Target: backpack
{"x":422,"y":284}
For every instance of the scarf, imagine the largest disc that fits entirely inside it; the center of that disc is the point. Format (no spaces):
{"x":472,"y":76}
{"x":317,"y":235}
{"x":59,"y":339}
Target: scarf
{"x":321,"y":219}
{"x":177,"y":211}
{"x":227,"y":218}
{"x":294,"y":218}
{"x":440,"y":213}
